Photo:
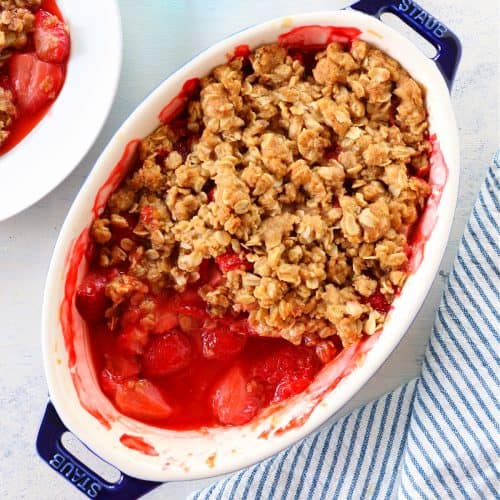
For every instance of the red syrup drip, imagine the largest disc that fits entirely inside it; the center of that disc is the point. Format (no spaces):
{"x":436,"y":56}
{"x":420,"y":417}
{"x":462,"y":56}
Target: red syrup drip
{"x":24,"y":123}
{"x":68,"y":316}
{"x":137,"y":443}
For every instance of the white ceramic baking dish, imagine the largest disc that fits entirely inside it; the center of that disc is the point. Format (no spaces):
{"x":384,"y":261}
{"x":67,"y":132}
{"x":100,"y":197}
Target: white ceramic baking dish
{"x":170,"y":455}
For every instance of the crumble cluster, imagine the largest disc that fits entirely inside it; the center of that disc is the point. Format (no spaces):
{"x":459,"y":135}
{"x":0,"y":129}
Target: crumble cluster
{"x":16,"y":23}
{"x":309,"y":170}
{"x":7,"y":112}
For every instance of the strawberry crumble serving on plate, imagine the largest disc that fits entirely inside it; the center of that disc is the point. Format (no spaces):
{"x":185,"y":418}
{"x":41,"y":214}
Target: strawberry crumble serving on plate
{"x":263,"y":227}
{"x":34,"y":49}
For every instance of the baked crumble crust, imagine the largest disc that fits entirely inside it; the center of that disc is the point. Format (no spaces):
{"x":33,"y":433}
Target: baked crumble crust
{"x":312,"y":173}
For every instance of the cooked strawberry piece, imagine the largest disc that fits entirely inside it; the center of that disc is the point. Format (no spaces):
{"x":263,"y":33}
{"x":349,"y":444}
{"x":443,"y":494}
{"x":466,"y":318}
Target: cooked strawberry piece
{"x":119,"y":233}
{"x":141,"y":399}
{"x":51,"y":38}
{"x":108,"y":382}
{"x":231,"y":260}
{"x":183,"y":147}
{"x":285,"y":360}
{"x":241,"y":51}
{"x":131,"y":316}
{"x":242,"y":326}
{"x":326,"y":350}
{"x":203,"y":270}
{"x":210,"y":273}
{"x":291,"y":385}
{"x":379,"y":302}
{"x":190,"y":324}
{"x":166,"y":354}
{"x":191,"y":87}
{"x":34,"y":82}
{"x":147,"y":215}
{"x":423,"y":172}
{"x":233,"y":401}
{"x":287,"y":371}
{"x":166,"y":316}
{"x":132,"y":339}
{"x":4,"y":82}
{"x":122,"y":366}
{"x":165,"y":321}
{"x":91,"y":301}
{"x":215,"y":277}
{"x":190,"y":303}
{"x":220,"y":343}
{"x":190,"y":297}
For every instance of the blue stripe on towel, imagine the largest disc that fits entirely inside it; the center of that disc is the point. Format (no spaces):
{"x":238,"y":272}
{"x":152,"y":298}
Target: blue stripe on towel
{"x":435,"y":437}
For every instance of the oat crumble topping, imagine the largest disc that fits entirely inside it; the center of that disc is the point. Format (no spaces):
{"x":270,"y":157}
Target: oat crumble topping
{"x":16,"y":22}
{"x":7,"y":112}
{"x":311,"y":173}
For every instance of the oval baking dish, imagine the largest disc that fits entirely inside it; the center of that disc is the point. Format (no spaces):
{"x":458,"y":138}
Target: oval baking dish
{"x":153,"y":454}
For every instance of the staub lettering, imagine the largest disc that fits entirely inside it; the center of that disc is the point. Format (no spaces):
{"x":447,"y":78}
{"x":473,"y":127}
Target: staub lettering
{"x":422,"y":17}
{"x":76,"y":475}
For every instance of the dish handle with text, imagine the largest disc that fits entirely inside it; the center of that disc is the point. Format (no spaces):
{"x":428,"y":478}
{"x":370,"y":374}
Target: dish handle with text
{"x":447,"y":44}
{"x":51,"y":450}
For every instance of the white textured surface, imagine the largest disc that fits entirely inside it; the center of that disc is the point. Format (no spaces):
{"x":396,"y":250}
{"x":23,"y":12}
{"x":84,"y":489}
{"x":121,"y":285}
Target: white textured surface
{"x":158,"y":36}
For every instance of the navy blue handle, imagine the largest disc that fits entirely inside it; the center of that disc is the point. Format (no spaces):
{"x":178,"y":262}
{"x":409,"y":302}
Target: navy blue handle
{"x":51,"y":450}
{"x":445,"y":41}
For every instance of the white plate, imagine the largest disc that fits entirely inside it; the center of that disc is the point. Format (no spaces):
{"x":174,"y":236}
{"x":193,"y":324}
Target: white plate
{"x":50,"y":152}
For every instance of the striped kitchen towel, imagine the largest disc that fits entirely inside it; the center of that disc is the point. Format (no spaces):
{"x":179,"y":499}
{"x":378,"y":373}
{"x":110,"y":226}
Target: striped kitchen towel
{"x":435,"y":437}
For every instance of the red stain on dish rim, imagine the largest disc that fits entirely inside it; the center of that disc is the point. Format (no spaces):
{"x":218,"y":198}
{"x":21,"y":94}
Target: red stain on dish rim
{"x":139,"y":444}
{"x":306,"y":37}
{"x":73,"y":261}
{"x":421,"y":232}
{"x":316,"y":37}
{"x":68,"y":321}
{"x":129,"y":157}
{"x":177,"y":105}
{"x":23,"y":125}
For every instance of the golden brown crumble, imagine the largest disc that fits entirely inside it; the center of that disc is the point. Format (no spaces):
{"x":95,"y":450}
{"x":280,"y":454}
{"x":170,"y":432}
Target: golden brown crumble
{"x":16,"y":22}
{"x":309,"y":174}
{"x":7,"y":112}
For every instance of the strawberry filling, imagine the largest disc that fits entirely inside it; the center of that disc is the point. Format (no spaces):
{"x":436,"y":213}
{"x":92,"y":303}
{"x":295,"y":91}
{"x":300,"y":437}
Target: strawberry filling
{"x":175,"y":366}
